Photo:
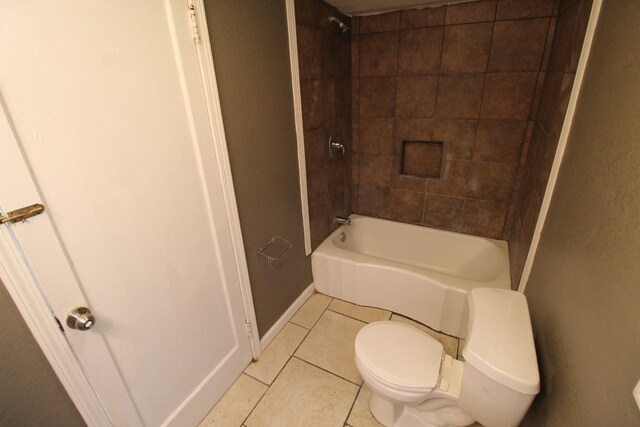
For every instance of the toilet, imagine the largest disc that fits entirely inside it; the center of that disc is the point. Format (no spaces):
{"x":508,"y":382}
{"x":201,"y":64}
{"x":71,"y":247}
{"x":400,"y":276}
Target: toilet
{"x":414,"y":383}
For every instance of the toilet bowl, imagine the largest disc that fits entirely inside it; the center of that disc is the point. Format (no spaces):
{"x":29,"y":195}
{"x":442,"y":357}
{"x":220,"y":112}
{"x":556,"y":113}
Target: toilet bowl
{"x":414,"y":383}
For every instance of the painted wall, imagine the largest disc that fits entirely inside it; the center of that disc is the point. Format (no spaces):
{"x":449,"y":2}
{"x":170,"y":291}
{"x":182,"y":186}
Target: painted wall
{"x":31,"y":394}
{"x":463,"y":76}
{"x":533,"y":175}
{"x":584,"y":288}
{"x":324,"y":57}
{"x":250,"y":50}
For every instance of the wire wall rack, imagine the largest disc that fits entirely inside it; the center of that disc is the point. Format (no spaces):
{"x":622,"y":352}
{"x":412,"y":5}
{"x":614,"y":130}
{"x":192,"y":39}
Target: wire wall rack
{"x":275,"y":250}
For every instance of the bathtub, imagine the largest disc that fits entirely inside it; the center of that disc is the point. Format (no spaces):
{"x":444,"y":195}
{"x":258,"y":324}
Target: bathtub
{"x":419,"y":272}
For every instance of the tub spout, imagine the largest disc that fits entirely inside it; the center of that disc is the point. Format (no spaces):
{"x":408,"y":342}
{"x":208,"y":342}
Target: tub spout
{"x":343,"y":221}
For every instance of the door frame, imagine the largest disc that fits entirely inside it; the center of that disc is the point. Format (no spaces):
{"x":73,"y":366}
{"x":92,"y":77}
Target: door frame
{"x":216,"y":123}
{"x":19,"y":281}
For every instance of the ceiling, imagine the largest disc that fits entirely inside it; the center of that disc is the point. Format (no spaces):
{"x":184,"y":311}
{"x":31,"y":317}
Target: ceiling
{"x":370,"y":7}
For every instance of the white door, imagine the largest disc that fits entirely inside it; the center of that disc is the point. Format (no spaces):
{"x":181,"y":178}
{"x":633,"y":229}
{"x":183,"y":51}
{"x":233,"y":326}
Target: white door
{"x":105,"y":123}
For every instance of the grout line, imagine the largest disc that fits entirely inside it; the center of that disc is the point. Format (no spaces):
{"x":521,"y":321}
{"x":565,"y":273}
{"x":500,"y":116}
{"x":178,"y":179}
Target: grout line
{"x":484,"y":21}
{"x":427,"y":326}
{"x":276,"y":377}
{"x":327,"y":371}
{"x":357,"y":305}
{"x":255,"y":406}
{"x":348,"y":317}
{"x":285,"y":364}
{"x":547,"y":44}
{"x":354,"y":403}
{"x":301,"y":341}
{"x":297,"y":324}
{"x":257,"y":379}
{"x":294,"y":350}
{"x":318,"y":319}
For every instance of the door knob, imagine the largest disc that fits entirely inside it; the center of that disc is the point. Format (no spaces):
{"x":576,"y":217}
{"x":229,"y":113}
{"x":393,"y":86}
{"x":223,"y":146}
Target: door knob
{"x":80,"y":318}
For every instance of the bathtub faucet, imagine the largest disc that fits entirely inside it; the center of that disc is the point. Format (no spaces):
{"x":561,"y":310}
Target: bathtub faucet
{"x":343,"y":221}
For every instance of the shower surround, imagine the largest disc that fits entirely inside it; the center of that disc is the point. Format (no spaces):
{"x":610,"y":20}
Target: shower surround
{"x":454,"y":113}
{"x":465,"y":76}
{"x":324,"y":56}
{"x":535,"y":169}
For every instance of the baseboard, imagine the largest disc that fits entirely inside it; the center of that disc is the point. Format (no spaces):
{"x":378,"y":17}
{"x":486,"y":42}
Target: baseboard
{"x":282,"y":321}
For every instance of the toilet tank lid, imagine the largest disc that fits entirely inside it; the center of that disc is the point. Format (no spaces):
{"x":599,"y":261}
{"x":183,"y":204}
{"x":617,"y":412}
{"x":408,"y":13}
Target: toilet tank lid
{"x":500,"y":340}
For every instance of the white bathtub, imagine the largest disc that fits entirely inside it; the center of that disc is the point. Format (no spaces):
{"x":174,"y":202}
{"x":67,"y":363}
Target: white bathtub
{"x":420,"y":272}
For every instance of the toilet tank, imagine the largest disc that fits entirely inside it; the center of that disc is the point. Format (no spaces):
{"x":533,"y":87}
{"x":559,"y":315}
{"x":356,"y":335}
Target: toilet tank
{"x":500,"y":377}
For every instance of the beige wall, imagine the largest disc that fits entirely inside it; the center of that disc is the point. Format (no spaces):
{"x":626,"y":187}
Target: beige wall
{"x":30,"y":393}
{"x":251,"y":55}
{"x":585,"y":284}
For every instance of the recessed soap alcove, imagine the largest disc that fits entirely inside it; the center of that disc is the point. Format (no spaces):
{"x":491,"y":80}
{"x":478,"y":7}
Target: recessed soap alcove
{"x":422,"y":159}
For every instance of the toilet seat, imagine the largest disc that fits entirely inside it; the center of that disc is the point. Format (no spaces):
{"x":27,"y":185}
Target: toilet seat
{"x":399,"y":356}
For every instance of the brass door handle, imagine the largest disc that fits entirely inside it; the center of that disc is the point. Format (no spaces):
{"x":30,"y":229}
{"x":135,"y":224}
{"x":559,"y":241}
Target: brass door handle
{"x":22,"y":213}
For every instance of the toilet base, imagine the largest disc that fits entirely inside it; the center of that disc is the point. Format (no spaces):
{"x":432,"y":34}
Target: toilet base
{"x":436,"y":412}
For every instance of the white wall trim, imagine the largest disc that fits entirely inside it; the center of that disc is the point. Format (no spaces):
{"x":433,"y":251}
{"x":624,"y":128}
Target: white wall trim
{"x":282,"y":321}
{"x":562,"y":143}
{"x":212,"y":95}
{"x":297,"y":110}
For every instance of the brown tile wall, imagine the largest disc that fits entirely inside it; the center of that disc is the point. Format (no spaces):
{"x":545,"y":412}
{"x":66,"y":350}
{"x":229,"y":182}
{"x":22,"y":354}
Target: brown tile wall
{"x":465,"y":74}
{"x":324,"y":56}
{"x":556,"y":82}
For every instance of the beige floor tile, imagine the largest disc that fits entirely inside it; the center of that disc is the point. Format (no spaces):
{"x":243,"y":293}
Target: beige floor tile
{"x":304,"y":395}
{"x":310,"y":312}
{"x":236,"y":404}
{"x":276,"y":355}
{"x":366,"y":314}
{"x":449,"y":343}
{"x":360,"y":415}
{"x":330,"y":345}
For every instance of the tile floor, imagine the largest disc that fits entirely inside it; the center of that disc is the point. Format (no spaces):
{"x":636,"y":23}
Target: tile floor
{"x":307,"y":375}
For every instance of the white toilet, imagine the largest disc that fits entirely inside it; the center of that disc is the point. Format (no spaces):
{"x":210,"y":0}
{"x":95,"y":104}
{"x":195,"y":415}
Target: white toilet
{"x":415,"y":384}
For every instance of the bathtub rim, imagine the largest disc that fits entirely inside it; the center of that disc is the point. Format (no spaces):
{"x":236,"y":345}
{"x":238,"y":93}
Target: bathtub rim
{"x":329,"y":248}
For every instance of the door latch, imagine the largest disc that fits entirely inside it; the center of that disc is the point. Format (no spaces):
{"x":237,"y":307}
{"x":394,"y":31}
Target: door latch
{"x":22,"y":213}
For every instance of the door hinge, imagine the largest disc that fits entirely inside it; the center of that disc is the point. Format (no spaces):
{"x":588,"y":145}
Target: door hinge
{"x":194,"y":22}
{"x":59,"y":324}
{"x":247,"y":327}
